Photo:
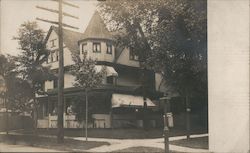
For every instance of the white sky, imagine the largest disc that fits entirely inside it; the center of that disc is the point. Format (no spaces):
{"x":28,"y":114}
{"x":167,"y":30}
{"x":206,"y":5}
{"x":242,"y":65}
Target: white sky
{"x":15,"y":12}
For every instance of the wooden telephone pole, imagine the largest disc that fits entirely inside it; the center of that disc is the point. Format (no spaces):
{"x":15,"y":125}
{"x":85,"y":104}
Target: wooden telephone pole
{"x":60,"y":105}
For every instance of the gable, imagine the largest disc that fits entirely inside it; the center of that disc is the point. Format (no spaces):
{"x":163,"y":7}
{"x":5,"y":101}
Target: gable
{"x":70,"y":38}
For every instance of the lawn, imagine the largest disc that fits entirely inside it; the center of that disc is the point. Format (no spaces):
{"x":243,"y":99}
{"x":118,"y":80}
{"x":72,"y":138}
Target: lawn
{"x":116,"y":133}
{"x":141,"y":149}
{"x":145,"y":150}
{"x":198,"y":143}
{"x":50,"y":142}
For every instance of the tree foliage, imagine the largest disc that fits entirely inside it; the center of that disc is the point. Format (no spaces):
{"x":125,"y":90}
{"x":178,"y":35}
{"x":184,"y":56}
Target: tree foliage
{"x":86,"y":77}
{"x":33,"y":54}
{"x":18,"y":91}
{"x":85,"y":72}
{"x":170,"y":36}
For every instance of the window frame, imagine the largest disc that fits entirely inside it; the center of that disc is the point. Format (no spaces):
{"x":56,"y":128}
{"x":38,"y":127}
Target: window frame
{"x":93,"y":48}
{"x":110,"y":78}
{"x":132,"y":55}
{"x":55,"y":83}
{"x":52,"y":43}
{"x":52,"y":57}
{"x":84,"y":45}
{"x":109,"y":45}
{"x":57,"y":55}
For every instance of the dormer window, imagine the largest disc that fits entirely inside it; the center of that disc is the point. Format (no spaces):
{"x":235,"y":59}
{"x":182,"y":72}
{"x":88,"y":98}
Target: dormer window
{"x":84,"y":48}
{"x":53,"y":43}
{"x":133,"y":55}
{"x":96,"y":47}
{"x":109,"y":48}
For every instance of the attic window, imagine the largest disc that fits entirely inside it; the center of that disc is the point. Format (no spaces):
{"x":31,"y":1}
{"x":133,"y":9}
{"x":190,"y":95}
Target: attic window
{"x":132,"y":55}
{"x":52,"y":42}
{"x":96,"y":47}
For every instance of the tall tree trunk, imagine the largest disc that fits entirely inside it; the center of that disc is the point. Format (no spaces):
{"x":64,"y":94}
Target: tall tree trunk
{"x":86,"y":116}
{"x":188,"y":110}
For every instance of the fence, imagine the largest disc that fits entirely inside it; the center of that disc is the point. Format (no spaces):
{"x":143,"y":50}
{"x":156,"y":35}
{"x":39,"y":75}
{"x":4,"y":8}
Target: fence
{"x":14,"y":122}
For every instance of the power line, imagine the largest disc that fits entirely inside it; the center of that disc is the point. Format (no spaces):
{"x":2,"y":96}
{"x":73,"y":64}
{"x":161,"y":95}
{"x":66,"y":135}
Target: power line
{"x":60,"y":105}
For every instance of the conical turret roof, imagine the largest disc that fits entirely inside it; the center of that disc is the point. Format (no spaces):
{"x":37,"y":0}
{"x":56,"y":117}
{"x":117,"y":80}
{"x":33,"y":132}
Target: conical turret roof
{"x":97,"y":28}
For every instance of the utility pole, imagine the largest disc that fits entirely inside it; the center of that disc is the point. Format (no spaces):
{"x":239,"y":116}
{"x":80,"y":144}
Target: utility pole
{"x":60,"y":104}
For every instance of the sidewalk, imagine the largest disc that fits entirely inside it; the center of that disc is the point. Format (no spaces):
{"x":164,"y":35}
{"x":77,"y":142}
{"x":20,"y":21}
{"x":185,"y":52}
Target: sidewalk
{"x":120,"y":144}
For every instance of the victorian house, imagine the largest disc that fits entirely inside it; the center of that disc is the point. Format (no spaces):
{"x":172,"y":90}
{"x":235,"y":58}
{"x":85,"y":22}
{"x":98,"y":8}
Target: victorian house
{"x":119,"y":101}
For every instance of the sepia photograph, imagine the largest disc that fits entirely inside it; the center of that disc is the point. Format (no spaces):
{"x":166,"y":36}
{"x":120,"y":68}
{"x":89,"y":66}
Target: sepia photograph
{"x":124,"y":76}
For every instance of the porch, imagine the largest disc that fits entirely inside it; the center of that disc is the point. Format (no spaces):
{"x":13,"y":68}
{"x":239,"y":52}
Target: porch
{"x":108,"y":108}
{"x":70,"y":121}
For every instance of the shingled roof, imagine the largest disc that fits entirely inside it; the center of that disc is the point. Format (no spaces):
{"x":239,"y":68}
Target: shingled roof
{"x":97,"y":28}
{"x":70,"y":38}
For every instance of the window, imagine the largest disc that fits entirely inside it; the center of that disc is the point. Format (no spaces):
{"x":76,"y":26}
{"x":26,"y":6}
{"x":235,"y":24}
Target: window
{"x":84,"y":48}
{"x":96,"y":47}
{"x":52,"y":43}
{"x":43,"y":86}
{"x":110,"y":79}
{"x":55,"y":83}
{"x":109,"y":49}
{"x":52,"y":56}
{"x":132,"y":55}
{"x":57,"y":55}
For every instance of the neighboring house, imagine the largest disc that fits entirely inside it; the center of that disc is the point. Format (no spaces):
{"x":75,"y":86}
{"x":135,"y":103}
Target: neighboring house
{"x":119,"y":101}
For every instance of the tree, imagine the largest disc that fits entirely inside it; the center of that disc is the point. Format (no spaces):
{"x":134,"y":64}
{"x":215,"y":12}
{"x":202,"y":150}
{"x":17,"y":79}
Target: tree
{"x":170,"y":36}
{"x":17,"y":92}
{"x":86,"y":77}
{"x":30,"y":61}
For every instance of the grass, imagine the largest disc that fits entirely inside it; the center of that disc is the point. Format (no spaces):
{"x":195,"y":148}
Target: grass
{"x":198,"y":143}
{"x":50,"y":142}
{"x":144,"y":150}
{"x":141,"y":149}
{"x":116,"y":133}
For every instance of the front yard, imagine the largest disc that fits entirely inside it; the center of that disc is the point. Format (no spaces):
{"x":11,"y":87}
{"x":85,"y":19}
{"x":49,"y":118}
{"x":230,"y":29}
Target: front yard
{"x":50,"y":142}
{"x":117,"y":133}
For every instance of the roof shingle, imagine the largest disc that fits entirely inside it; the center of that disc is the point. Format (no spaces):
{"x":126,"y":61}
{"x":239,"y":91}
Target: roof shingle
{"x":70,"y":38}
{"x":97,"y":28}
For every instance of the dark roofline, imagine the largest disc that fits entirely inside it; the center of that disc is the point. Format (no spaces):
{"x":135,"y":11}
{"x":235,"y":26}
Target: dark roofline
{"x":48,"y":34}
{"x":67,"y":41}
{"x":98,"y":39}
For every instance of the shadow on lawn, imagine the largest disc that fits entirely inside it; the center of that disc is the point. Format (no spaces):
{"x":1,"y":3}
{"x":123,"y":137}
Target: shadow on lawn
{"x":50,"y":142}
{"x":117,"y":133}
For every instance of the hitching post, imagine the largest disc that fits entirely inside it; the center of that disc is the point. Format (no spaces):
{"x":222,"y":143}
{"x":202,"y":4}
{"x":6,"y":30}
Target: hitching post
{"x":166,"y":101}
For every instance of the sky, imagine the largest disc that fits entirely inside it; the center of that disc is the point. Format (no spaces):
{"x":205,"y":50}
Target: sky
{"x":15,"y":12}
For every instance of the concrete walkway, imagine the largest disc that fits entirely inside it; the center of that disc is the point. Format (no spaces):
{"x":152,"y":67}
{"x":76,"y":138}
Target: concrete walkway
{"x":119,"y":144}
{"x":115,"y":144}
